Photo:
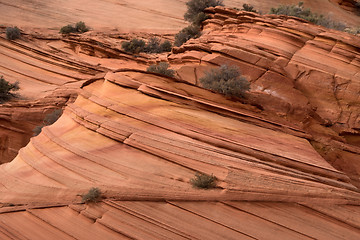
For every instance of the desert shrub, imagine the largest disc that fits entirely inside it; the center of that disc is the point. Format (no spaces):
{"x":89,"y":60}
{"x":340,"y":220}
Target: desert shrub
{"x":200,"y":18}
{"x":166,"y":46}
{"x":226,"y":80}
{"x":300,"y":12}
{"x":152,"y":46}
{"x":161,"y":68}
{"x":192,"y":31}
{"x":134,"y":45}
{"x":80,"y":27}
{"x":48,"y":120}
{"x":67,"y":29}
{"x":248,"y":8}
{"x":94,"y":195}
{"x":204,"y":181}
{"x":7,"y":90}
{"x":12,"y":33}
{"x":196,"y":7}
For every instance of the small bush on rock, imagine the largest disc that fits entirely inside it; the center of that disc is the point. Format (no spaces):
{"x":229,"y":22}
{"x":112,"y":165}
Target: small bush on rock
{"x":166,"y":46}
{"x":134,"y":46}
{"x":226,"y":80}
{"x":187,"y":33}
{"x":203,"y":181}
{"x":248,"y":8}
{"x":196,"y":7}
{"x":300,"y":12}
{"x":80,"y":27}
{"x":7,"y":90}
{"x":161,"y":68}
{"x":12,"y":33}
{"x":152,"y":46}
{"x":94,"y":195}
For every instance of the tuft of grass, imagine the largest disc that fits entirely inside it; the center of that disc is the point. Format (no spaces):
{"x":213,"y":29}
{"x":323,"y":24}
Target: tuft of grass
{"x":203,"y":181}
{"x":226,"y":80}
{"x":12,"y":33}
{"x":161,"y":68}
{"x":94,"y":195}
{"x":7,"y":90}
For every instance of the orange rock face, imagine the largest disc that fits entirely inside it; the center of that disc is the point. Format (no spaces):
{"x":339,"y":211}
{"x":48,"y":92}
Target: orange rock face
{"x":304,"y":72}
{"x":285,"y":158}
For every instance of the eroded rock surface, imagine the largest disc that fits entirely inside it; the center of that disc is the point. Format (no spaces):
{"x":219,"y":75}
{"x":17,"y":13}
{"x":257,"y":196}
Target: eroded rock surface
{"x":303,"y":72}
{"x":286,"y":158}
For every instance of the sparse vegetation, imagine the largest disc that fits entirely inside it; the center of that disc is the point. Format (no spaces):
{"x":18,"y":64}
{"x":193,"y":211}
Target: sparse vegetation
{"x":161,"y":68}
{"x":94,"y":195}
{"x":80,"y":27}
{"x":154,"y":45}
{"x":166,"y":46}
{"x":192,"y":31}
{"x":12,"y":33}
{"x":195,"y":15}
{"x":203,"y":181}
{"x":134,"y":46}
{"x":48,"y":120}
{"x":305,"y":13}
{"x":7,"y":90}
{"x":248,"y":8}
{"x":197,"y":7}
{"x":226,"y":80}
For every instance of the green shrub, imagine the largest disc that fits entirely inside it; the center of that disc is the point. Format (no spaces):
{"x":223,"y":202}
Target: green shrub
{"x":152,"y":46}
{"x":161,"y":68}
{"x":48,"y":120}
{"x":67,"y":29}
{"x":192,"y":31}
{"x":12,"y":33}
{"x":204,"y":181}
{"x":300,"y":12}
{"x":134,"y":46}
{"x":80,"y":27}
{"x":226,"y":80}
{"x":94,"y":195}
{"x":248,"y":8}
{"x":7,"y":90}
{"x":166,"y":46}
{"x":196,"y":7}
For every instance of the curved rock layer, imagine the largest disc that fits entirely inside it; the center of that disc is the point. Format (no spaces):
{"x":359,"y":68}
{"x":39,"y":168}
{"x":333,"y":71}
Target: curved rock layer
{"x":47,"y":81}
{"x":142,"y":137}
{"x":182,"y":220}
{"x":302,"y":72}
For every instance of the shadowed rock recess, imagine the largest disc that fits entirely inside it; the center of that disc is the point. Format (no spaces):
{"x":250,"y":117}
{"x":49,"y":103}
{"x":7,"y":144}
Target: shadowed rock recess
{"x":286,"y":158}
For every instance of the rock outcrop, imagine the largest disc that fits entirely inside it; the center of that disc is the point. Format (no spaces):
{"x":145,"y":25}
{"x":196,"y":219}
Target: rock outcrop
{"x":306,"y":73}
{"x":141,"y":137}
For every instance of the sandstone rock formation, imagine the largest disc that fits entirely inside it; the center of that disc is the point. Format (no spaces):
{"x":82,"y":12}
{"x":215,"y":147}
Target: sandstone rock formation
{"x":286,"y":158}
{"x":305,"y":73}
